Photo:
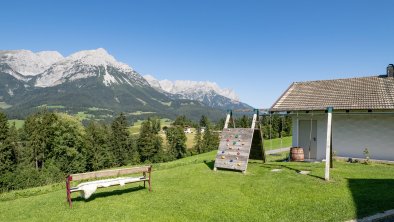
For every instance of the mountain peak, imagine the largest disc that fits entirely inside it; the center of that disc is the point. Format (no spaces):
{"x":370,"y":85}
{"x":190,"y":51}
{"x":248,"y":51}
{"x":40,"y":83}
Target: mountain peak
{"x":188,"y":87}
{"x":208,"y":93}
{"x":97,"y":57}
{"x":28,"y":63}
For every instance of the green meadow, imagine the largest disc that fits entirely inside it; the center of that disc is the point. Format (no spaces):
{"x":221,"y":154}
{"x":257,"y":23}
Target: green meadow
{"x":189,"y":190}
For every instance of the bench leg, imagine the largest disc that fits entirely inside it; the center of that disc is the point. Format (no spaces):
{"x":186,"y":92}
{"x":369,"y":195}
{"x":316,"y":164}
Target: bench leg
{"x":68,"y":193}
{"x":144,"y":174}
{"x":149,"y":182}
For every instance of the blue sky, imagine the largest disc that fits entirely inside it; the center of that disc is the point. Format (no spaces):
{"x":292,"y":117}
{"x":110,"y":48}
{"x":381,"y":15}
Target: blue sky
{"x":256,"y":48}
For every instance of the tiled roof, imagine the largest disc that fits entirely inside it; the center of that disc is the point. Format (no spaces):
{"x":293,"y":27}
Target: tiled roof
{"x":376,"y":92}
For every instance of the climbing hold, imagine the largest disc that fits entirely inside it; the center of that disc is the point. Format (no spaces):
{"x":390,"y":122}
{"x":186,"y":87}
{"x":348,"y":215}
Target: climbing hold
{"x":236,"y":158}
{"x":238,"y":164}
{"x":238,"y":153}
{"x":234,"y":143}
{"x":222,"y":151}
{"x":227,"y":144}
{"x":223,"y":157}
{"x":236,"y":136}
{"x":230,"y":148}
{"x":227,"y":140}
{"x":231,"y":161}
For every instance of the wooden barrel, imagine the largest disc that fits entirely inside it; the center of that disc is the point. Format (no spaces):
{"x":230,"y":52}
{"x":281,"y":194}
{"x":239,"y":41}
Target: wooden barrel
{"x":296,"y":154}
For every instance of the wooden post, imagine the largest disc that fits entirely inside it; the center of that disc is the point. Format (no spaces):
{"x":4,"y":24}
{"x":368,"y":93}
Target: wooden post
{"x":144,"y":174}
{"x":331,"y":162}
{"x":328,"y":144}
{"x":149,"y":181}
{"x":227,"y":119}
{"x":229,"y":114}
{"x":68,"y":181}
{"x":254,"y":119}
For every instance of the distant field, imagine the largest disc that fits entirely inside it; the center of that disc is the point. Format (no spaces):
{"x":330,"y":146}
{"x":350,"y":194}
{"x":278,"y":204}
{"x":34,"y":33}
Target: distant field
{"x":82,"y":116}
{"x":18,"y":123}
{"x":52,"y":106}
{"x":4,"y":105}
{"x":97,"y":109}
{"x":135,"y":128}
{"x":138,"y":113}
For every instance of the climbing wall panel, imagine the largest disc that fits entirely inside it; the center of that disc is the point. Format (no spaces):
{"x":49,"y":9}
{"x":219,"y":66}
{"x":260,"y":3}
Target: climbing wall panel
{"x":234,"y":148}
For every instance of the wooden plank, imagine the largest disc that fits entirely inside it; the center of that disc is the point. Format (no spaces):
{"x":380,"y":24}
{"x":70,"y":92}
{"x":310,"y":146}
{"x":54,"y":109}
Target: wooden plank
{"x":109,"y":173}
{"x":74,"y":189}
{"x":234,"y":149}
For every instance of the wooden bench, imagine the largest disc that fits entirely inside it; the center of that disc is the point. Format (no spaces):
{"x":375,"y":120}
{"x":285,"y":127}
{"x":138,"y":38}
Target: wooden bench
{"x":108,"y":173}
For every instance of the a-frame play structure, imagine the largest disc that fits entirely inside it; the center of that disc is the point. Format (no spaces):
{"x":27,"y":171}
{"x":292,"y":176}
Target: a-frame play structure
{"x":238,"y":145}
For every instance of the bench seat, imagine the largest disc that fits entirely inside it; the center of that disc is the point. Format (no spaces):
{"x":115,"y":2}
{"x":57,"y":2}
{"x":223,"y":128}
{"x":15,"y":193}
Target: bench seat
{"x":88,"y":188}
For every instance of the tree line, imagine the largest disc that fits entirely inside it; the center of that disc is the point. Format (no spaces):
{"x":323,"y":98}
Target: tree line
{"x":273,"y":126}
{"x":52,"y":145}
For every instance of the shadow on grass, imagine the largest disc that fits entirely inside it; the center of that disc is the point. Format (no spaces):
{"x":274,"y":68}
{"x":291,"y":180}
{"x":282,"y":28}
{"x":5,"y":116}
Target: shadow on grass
{"x":109,"y":193}
{"x":372,"y":196}
{"x":210,"y":164}
{"x":270,"y":167}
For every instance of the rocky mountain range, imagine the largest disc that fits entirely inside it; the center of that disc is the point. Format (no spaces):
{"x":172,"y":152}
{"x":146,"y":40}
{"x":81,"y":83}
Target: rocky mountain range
{"x":206,"y":92}
{"x":95,"y":83}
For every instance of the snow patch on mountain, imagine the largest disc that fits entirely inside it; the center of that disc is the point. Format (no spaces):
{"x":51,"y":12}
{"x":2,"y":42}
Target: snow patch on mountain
{"x":191,"y":88}
{"x":28,"y":63}
{"x":108,"y":79}
{"x":98,"y":57}
{"x":84,"y":64}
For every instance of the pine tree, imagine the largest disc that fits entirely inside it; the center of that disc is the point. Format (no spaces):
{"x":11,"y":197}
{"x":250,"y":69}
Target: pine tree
{"x":13,"y":142}
{"x":244,"y":122}
{"x":210,"y":140}
{"x":177,"y":141}
{"x":40,"y":129}
{"x":198,"y":145}
{"x":204,"y":122}
{"x":206,"y":146}
{"x":121,"y":144}
{"x":97,"y":147}
{"x":7,"y":152}
{"x":7,"y":147}
{"x":149,"y":143}
{"x":3,"y":127}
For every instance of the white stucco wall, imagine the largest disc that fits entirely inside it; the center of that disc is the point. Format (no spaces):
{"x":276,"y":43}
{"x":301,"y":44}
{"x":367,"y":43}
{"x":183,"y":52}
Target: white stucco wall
{"x":353,"y":133}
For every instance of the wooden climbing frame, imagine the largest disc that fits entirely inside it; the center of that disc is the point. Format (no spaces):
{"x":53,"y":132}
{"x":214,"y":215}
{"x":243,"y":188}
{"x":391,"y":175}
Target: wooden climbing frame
{"x":238,"y":145}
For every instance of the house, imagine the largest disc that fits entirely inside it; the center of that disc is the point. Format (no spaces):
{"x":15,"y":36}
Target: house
{"x":202,"y":130}
{"x":362,"y":116}
{"x":187,"y":129}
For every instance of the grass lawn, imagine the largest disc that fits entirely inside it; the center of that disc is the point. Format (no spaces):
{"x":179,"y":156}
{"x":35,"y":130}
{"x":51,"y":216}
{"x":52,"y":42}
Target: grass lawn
{"x":277,"y":143}
{"x":189,"y":190}
{"x":18,"y":123}
{"x":135,"y":128}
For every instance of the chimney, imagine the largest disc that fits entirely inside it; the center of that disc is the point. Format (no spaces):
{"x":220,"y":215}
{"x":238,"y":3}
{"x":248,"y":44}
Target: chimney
{"x":390,"y":70}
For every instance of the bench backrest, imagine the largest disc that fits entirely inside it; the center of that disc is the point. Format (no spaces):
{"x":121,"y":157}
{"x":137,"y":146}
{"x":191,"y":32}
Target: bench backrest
{"x":109,"y":173}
